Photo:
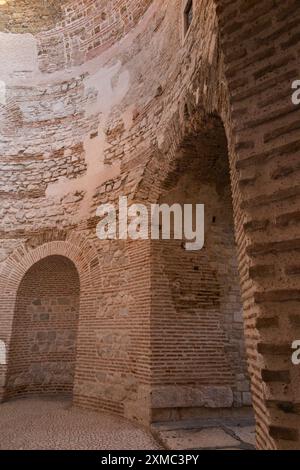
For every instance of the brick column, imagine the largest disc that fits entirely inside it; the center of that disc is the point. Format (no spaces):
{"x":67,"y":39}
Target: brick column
{"x":260,"y":42}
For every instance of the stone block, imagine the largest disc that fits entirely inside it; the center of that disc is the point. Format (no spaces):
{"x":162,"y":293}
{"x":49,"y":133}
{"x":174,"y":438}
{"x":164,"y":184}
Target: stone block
{"x":186,"y":396}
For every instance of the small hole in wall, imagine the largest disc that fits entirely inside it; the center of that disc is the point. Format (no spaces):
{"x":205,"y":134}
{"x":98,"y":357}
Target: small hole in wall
{"x":188,"y":15}
{"x":214,"y":219}
{"x":186,"y":111}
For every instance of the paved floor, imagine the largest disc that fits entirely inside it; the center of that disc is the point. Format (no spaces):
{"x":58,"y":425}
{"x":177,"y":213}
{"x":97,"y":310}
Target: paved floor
{"x":51,"y":424}
{"x":54,"y":424}
{"x":207,"y":434}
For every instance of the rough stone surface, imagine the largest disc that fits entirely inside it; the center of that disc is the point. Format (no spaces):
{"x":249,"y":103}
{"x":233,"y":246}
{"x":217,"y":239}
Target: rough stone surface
{"x":202,"y":434}
{"x":177,"y":397}
{"x":204,"y":439}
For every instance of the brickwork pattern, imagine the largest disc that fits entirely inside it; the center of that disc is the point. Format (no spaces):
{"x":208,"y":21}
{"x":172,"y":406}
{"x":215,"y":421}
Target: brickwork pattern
{"x":260,"y":52}
{"x":125,"y":126}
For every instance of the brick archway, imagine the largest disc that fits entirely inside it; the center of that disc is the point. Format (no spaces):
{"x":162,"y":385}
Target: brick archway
{"x":199,"y":173}
{"x":77,"y":250}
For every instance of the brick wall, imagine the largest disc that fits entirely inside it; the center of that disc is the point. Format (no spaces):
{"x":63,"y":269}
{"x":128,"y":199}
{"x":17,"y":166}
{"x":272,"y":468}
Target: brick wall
{"x":125,"y":130}
{"x":261,"y":47}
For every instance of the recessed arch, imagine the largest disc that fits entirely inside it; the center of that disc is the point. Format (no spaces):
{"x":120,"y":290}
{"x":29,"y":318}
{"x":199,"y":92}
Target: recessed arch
{"x":197,"y":322}
{"x":42,"y":349}
{"x":77,"y":250}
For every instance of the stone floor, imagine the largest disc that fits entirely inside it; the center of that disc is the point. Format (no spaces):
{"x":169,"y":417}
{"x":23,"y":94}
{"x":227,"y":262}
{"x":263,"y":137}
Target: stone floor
{"x":51,"y":424}
{"x":207,"y":434}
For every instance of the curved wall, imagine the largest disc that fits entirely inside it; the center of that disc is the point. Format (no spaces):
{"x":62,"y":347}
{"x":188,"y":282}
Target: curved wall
{"x":197,"y":324}
{"x":71,"y":32}
{"x":64,"y":134}
{"x":79,"y":127}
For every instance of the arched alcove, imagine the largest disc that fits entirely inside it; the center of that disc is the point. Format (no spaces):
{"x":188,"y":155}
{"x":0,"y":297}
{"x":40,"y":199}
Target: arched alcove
{"x":42,"y":349}
{"x":197,"y":324}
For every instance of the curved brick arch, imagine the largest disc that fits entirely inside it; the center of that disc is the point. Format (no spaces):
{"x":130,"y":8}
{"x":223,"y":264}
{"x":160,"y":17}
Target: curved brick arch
{"x":254,"y":102}
{"x":198,"y":114}
{"x":199,"y":170}
{"x":80,"y":253}
{"x":77,"y":250}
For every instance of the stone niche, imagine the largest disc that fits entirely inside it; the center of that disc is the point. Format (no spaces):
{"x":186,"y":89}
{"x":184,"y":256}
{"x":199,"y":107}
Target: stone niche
{"x":197,"y":323}
{"x":43,"y":344}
